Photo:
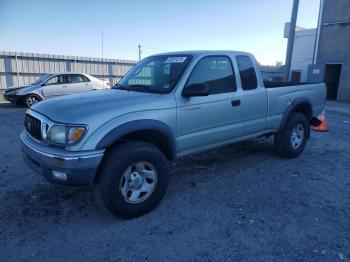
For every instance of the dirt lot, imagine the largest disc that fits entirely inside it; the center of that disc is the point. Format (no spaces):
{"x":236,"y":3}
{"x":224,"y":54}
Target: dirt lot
{"x":239,"y":203}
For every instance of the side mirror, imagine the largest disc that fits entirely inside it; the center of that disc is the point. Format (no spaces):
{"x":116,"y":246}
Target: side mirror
{"x":196,"y":90}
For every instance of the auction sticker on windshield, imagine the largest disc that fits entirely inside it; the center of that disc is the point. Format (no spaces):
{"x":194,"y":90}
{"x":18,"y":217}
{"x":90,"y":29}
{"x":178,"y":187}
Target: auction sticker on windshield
{"x":175,"y":59}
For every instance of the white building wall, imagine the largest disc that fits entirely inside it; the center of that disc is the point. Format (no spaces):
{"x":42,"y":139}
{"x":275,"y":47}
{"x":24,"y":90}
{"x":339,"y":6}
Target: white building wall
{"x":303,"y":51}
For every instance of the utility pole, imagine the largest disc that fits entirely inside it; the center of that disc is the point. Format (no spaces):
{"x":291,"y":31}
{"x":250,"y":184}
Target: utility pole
{"x":319,"y":25}
{"x":102,"y":58}
{"x":291,"y":35}
{"x":102,"y":44}
{"x":139,"y":46}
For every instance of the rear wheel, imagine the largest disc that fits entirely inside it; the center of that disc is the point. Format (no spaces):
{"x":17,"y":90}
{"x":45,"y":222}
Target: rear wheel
{"x":31,"y":99}
{"x":291,"y":141}
{"x":133,"y":179}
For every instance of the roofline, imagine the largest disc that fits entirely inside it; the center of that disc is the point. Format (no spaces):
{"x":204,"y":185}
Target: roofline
{"x":202,"y":52}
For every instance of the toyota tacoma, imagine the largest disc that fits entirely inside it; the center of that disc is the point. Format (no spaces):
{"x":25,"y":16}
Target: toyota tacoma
{"x":122,"y":140}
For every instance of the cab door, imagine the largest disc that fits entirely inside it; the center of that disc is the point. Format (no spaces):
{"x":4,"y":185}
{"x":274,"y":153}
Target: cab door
{"x":203,"y":121}
{"x":253,"y":97}
{"x":56,"y":86}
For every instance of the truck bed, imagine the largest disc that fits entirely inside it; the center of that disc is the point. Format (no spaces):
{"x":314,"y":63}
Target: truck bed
{"x":280,"y":97}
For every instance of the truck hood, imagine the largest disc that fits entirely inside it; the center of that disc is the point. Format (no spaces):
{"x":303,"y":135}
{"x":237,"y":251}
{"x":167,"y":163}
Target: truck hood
{"x":96,"y":106}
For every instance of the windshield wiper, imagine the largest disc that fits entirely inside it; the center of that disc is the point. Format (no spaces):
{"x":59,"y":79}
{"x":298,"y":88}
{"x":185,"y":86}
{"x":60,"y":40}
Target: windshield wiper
{"x":136,"y":88}
{"x":141,"y":88}
{"x":120,"y":87}
{"x":145,"y":88}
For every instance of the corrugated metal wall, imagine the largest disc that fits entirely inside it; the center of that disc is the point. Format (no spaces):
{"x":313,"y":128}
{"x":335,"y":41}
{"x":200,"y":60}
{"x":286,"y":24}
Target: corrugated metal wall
{"x":18,"y":68}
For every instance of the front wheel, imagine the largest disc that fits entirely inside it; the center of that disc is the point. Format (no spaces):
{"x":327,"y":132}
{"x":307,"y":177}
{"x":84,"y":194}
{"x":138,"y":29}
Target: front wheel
{"x":291,"y":141}
{"x":31,"y":99}
{"x":133,"y":179}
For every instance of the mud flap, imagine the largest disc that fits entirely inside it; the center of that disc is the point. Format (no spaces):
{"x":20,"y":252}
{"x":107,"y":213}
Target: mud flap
{"x":314,"y":121}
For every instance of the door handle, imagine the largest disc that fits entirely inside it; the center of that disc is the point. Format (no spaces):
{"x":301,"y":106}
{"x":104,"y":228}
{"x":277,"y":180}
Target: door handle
{"x":236,"y":102}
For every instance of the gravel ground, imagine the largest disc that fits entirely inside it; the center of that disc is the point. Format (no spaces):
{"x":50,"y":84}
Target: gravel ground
{"x":238,"y":203}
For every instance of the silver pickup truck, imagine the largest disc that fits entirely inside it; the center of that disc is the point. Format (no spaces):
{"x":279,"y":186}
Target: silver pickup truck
{"x":169,"y":105}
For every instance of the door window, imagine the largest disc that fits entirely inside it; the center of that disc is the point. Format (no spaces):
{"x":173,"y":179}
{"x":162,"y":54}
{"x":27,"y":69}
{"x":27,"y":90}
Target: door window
{"x":52,"y":81}
{"x":57,"y":80}
{"x":74,"y":79}
{"x":216,"y":72}
{"x":247,"y":72}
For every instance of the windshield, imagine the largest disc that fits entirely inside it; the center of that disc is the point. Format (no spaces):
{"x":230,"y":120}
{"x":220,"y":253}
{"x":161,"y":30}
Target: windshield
{"x":42,"y":79}
{"x":155,"y":74}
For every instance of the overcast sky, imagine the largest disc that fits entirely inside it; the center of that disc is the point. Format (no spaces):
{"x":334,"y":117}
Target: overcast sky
{"x":73,"y":27}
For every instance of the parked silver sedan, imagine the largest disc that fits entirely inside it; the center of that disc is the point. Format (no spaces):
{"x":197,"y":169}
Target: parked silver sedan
{"x":53,"y":85}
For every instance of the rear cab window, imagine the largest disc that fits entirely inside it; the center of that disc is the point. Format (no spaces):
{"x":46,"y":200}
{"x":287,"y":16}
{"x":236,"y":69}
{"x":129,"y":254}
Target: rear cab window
{"x":247,"y":72}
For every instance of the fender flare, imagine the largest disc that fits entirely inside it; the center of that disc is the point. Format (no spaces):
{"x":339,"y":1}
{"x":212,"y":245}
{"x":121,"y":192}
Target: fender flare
{"x":290,"y":109}
{"x":139,"y":125}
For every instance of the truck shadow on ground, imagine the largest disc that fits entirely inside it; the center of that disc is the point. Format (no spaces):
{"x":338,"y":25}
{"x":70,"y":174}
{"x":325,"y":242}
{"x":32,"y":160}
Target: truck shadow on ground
{"x":46,"y":201}
{"x":217,"y":158}
{"x":8,"y":105}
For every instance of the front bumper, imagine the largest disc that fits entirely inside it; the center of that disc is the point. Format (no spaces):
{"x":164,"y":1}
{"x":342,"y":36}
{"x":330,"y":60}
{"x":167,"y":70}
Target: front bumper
{"x":15,"y":99}
{"x":80,"y":168}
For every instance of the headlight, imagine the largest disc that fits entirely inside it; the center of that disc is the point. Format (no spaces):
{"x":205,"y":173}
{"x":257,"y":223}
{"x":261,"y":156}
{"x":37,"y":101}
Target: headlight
{"x":65,"y":135}
{"x":57,"y":134}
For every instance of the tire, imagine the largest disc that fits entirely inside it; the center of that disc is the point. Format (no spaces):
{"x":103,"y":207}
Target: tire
{"x":118,"y":165}
{"x":31,"y":99}
{"x":290,"y":142}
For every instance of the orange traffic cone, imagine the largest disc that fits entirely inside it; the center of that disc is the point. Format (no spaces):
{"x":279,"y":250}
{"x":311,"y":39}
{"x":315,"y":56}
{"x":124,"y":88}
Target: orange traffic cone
{"x":323,"y":126}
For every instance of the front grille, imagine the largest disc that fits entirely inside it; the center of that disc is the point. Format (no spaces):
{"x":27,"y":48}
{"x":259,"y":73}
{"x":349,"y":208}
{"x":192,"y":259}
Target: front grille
{"x":33,"y":126}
